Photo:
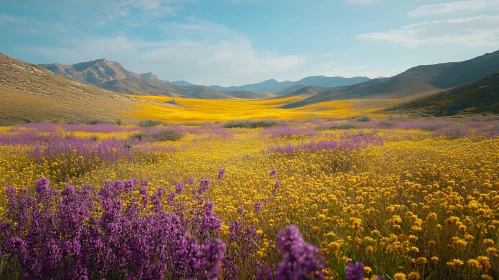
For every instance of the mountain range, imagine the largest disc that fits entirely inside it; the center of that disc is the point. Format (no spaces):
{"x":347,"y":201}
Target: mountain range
{"x":113,"y":76}
{"x":276,"y":87}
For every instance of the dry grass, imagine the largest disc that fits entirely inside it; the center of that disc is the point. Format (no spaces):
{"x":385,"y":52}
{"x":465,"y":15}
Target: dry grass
{"x":30,"y":93}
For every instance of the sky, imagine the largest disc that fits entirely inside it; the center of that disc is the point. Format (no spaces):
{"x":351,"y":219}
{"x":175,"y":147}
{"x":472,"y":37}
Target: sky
{"x":235,"y":42}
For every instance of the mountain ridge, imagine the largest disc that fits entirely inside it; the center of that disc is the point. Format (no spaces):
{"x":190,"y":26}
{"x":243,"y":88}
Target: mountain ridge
{"x":113,"y":76}
{"x":274,"y":86}
{"x":478,"y":97}
{"x":415,"y":80}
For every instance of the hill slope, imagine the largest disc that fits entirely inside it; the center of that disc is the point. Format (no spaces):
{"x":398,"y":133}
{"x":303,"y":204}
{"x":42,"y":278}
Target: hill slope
{"x":274,"y":86}
{"x":475,"y":98}
{"x":414,"y":81}
{"x":30,"y":93}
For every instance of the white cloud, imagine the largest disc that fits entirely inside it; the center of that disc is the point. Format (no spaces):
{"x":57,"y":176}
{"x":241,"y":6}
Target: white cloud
{"x":33,"y":27}
{"x":220,"y":55}
{"x":443,"y":8}
{"x":474,"y":31}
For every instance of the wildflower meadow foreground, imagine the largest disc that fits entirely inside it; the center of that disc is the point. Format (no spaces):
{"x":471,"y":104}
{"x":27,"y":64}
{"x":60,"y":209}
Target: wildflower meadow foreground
{"x":304,"y":199}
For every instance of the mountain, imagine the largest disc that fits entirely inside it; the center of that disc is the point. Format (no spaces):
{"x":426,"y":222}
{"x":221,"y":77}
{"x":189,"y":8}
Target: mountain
{"x":112,"y":76}
{"x":478,"y":97}
{"x":416,"y":80}
{"x":274,"y":86}
{"x":183,"y":83}
{"x":291,"y":89}
{"x":141,"y":86}
{"x":92,"y":72}
{"x":30,"y":93}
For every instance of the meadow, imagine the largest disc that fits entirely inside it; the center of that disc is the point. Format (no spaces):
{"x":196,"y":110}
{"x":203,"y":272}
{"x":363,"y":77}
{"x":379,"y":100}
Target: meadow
{"x":332,"y":198}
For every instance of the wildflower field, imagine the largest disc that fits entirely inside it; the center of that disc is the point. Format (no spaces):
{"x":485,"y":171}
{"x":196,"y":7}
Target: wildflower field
{"x":302,"y":199}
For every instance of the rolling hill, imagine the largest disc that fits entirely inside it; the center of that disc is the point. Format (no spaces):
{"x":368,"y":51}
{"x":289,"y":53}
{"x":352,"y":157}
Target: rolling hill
{"x":112,"y":76}
{"x":281,"y":88}
{"x":480,"y":97}
{"x":30,"y":93}
{"x":416,"y":80}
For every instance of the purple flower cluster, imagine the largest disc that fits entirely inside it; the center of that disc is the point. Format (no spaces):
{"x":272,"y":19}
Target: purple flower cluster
{"x":354,"y":271}
{"x":204,"y":185}
{"x":88,"y":234}
{"x":244,"y":236}
{"x":273,"y":173}
{"x":221,"y":173}
{"x":299,"y":258}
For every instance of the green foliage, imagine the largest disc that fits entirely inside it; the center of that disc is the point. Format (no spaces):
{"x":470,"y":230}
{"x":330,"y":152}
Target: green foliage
{"x":363,"y":119}
{"x":250,"y":124}
{"x":149,"y":123}
{"x":342,"y":126}
{"x":6,"y":123}
{"x":386,"y":124}
{"x":158,"y":136}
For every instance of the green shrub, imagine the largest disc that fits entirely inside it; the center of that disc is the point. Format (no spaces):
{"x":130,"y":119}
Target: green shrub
{"x":6,"y":123}
{"x":158,"y":136}
{"x":149,"y":123}
{"x":386,"y":124}
{"x":363,"y":119}
{"x":342,"y":126}
{"x":250,"y":124}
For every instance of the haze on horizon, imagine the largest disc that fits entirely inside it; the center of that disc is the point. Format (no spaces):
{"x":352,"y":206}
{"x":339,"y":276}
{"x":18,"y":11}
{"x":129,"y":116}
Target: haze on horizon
{"x":234,"y":42}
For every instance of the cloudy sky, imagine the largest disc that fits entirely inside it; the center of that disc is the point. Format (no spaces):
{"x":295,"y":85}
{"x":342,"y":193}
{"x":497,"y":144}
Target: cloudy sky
{"x":233,"y":42}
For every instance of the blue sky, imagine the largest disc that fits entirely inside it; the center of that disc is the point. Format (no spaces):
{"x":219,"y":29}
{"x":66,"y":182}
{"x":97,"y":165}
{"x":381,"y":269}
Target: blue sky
{"x":233,"y":42}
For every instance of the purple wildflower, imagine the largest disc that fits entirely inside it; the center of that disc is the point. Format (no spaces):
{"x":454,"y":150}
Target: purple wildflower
{"x":277,"y":186}
{"x":221,"y":173}
{"x":204,"y":185}
{"x":354,"y":271}
{"x":214,"y":256}
{"x":179,"y":187}
{"x":258,"y":207}
{"x":190,"y":180}
{"x":299,"y":260}
{"x":171,"y":198}
{"x":229,"y":269}
{"x":273,"y":173}
{"x":42,"y":186}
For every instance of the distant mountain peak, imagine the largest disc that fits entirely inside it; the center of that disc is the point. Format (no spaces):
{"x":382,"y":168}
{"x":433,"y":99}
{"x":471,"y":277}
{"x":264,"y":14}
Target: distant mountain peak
{"x":183,"y":83}
{"x":94,"y":72}
{"x":274,"y":86}
{"x":149,"y":75}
